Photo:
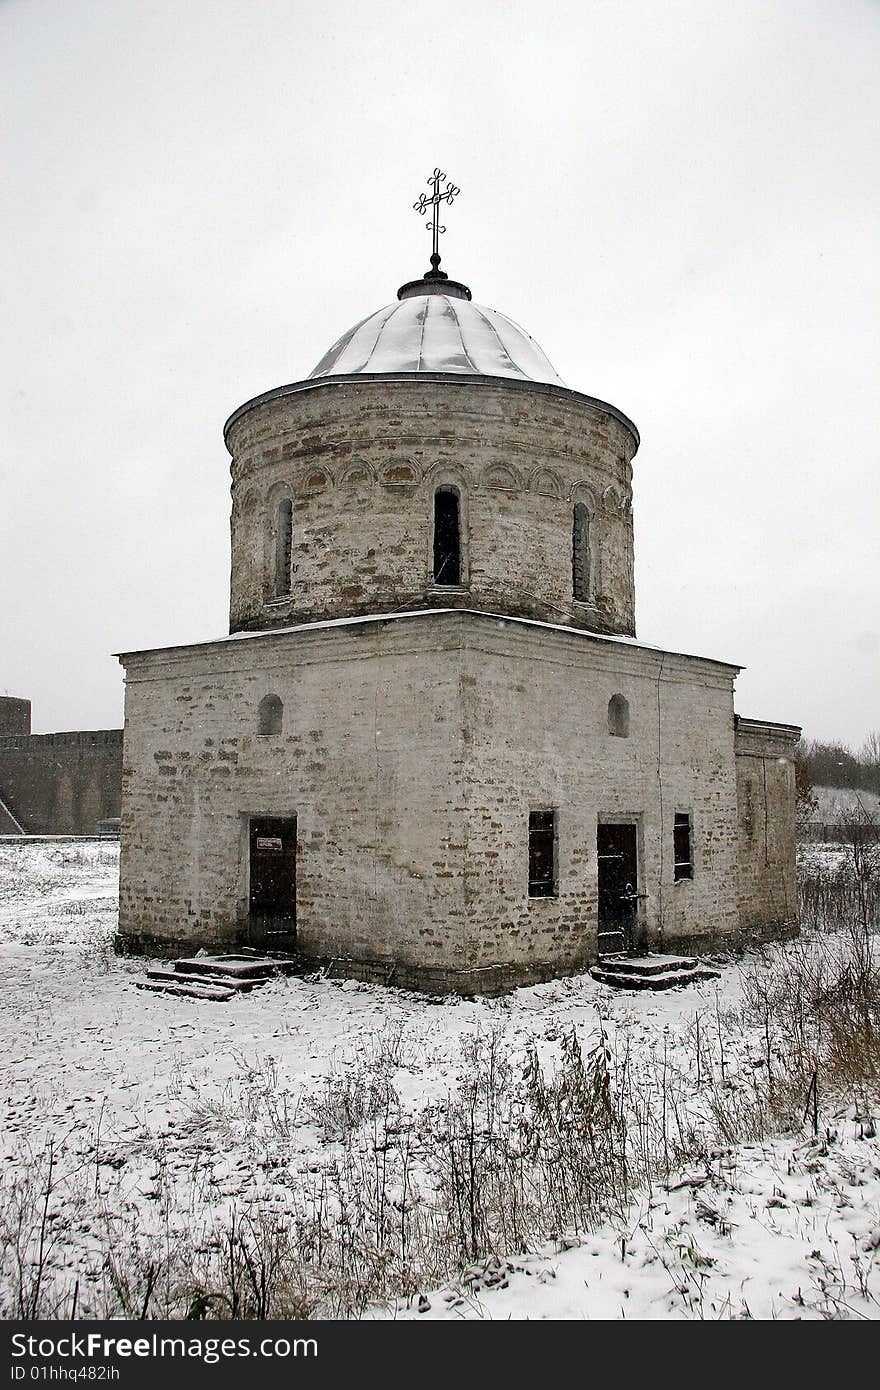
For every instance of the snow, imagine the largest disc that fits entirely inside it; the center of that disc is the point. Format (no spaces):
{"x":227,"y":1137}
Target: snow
{"x":503,"y":620}
{"x":824,"y":858}
{"x":786,"y":1229}
{"x":833,"y":802}
{"x":438,"y":333}
{"x":156,"y":1105}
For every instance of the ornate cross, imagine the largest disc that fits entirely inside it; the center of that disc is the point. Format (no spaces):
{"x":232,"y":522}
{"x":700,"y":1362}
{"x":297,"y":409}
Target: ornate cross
{"x":437,"y":197}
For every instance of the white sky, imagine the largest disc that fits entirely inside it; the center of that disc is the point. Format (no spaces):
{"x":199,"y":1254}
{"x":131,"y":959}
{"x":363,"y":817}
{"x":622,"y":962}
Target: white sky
{"x":677,"y":199}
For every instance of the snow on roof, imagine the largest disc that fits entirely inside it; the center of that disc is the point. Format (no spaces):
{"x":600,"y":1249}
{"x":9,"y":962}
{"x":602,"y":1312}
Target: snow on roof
{"x":437,"y":333}
{"x":501,"y":618}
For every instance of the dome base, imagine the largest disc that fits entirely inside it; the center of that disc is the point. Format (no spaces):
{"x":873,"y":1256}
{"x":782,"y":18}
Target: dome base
{"x":434,"y":282}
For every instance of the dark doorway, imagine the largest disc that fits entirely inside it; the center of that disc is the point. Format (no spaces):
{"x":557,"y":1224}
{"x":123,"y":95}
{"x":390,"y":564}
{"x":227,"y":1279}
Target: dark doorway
{"x":618,"y":887}
{"x":272,"y":893}
{"x":447,"y":537}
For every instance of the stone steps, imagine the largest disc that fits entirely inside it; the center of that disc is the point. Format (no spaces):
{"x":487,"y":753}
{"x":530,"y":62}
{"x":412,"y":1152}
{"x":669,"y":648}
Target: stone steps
{"x":217,"y":978}
{"x":190,"y":989}
{"x":650,"y":972}
{"x":198,"y":977}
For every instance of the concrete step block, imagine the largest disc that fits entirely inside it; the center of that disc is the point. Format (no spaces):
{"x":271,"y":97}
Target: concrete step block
{"x":189,"y":990}
{"x":231,"y":967}
{"x":646,"y":965}
{"x":198,"y":977}
{"x":666,"y":979}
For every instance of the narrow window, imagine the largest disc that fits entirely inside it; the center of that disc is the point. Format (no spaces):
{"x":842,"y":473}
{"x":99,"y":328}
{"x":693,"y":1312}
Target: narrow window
{"x":681,"y":843}
{"x":542,"y":854}
{"x":270,"y":715}
{"x":447,"y":537}
{"x":580,"y":553}
{"x":283,"y":546}
{"x":618,"y":717}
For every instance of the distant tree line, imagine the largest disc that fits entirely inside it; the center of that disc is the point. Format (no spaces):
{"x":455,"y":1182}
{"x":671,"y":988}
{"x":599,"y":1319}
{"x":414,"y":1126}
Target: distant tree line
{"x":836,"y":765}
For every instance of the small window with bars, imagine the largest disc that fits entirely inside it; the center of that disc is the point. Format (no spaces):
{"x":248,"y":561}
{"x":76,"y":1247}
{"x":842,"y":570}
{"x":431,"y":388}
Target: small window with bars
{"x":542,"y":854}
{"x":682,"y":846}
{"x":580,"y":553}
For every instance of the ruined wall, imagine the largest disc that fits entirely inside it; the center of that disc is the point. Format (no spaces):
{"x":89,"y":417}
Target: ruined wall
{"x":61,"y":784}
{"x":766,"y":797}
{"x":411,"y":753}
{"x":15,"y":715}
{"x":361,"y":460}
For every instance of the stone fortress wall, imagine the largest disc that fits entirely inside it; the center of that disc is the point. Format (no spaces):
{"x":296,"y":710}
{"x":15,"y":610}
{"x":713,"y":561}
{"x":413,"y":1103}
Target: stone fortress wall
{"x":56,"y":784}
{"x":15,"y":716}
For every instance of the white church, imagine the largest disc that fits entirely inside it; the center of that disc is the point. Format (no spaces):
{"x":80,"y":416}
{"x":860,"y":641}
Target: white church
{"x":431,"y":751}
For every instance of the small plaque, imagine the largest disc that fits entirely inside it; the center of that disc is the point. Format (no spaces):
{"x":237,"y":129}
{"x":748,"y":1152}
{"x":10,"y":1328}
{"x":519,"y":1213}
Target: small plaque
{"x":270,"y":842}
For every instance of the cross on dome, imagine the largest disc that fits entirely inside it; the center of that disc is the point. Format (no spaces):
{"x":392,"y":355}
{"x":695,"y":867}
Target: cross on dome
{"x":437,"y":197}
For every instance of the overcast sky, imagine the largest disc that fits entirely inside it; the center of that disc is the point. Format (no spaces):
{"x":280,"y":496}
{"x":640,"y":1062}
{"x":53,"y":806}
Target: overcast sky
{"x":678,"y":200}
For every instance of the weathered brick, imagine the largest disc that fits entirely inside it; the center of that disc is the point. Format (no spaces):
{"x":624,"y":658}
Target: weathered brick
{"x":412,"y":849}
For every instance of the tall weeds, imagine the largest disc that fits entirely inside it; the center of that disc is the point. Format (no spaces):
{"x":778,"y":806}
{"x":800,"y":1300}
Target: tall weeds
{"x":518,"y":1150}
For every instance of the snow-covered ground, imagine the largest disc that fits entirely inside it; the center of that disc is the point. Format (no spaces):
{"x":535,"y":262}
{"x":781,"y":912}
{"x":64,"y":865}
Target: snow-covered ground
{"x":131,"y":1115}
{"x":834,"y":802}
{"x":784,"y":1229}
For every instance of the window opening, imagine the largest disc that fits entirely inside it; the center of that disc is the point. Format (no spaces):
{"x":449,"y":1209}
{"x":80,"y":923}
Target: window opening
{"x":618,"y":717}
{"x":580,"y":553}
{"x":682,"y":847}
{"x":283,"y":546}
{"x":270,"y":715}
{"x":542,"y":854}
{"x":447,"y":537}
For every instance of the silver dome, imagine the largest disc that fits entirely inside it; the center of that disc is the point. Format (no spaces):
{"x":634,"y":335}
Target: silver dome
{"x":437,"y":332}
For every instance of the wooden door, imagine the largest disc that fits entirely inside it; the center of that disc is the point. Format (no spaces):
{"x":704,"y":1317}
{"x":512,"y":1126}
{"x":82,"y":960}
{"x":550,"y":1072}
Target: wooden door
{"x":618,"y":887}
{"x":272,"y":879}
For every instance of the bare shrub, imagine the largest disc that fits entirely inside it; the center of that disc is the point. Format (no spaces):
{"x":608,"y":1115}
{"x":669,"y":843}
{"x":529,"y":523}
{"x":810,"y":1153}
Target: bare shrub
{"x":96,"y":945}
{"x":29,"y":1241}
{"x":249,"y":1268}
{"x":253,"y":1108}
{"x":518,"y":1150}
{"x":347,"y":1102}
{"x":817,"y":1000}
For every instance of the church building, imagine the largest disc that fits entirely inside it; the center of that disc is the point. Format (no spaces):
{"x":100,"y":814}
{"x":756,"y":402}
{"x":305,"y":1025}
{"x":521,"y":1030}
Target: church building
{"x":431,"y":751}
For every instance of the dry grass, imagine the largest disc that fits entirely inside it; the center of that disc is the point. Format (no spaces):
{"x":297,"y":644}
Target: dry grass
{"x":514,"y":1152}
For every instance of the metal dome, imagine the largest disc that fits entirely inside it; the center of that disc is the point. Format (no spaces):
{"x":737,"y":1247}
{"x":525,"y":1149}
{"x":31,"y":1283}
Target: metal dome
{"x":429,"y":330}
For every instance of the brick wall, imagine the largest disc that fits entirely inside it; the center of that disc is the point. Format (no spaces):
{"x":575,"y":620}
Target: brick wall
{"x":361,"y":461}
{"x":537,"y":714}
{"x":368,"y":761}
{"x":766,"y":796}
{"x":411,"y":752}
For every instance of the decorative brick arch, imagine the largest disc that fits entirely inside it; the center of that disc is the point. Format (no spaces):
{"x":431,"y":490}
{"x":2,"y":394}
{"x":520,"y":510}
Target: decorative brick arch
{"x":502,"y":477}
{"x":402,"y":474}
{"x":546,"y":482}
{"x":611,"y":501}
{"x":359,"y":473}
{"x":316,"y":479}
